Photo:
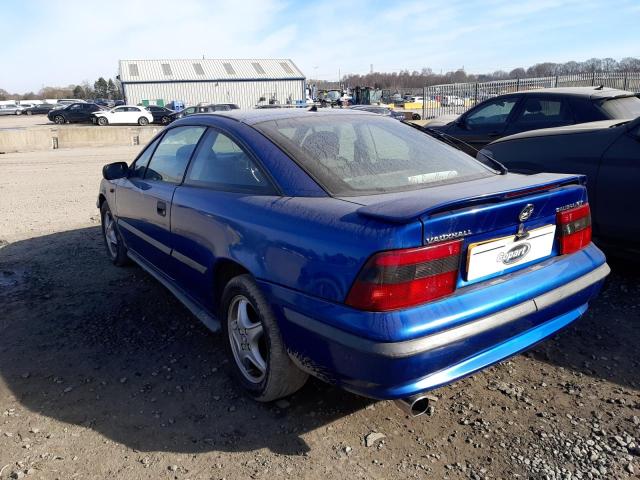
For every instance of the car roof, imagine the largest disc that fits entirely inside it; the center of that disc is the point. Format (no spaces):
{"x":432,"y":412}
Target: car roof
{"x":568,"y":129}
{"x":252,"y":117}
{"x":587,"y":92}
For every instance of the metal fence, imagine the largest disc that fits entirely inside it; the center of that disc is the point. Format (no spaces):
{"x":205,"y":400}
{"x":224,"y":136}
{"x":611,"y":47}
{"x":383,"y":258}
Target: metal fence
{"x":456,"y":98}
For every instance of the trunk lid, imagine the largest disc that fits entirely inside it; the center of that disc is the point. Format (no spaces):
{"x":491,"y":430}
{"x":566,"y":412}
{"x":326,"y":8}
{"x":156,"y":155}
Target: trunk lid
{"x":486,"y":214}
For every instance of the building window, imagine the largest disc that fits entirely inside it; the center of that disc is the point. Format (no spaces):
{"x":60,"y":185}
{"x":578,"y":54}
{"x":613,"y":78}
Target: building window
{"x":198,"y":68}
{"x":133,"y":69}
{"x":166,"y":69}
{"x":258,"y":68}
{"x":285,"y":66}
{"x":229,"y":68}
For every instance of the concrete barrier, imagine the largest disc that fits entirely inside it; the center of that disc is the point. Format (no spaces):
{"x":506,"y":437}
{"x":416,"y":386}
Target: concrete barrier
{"x":70,"y":136}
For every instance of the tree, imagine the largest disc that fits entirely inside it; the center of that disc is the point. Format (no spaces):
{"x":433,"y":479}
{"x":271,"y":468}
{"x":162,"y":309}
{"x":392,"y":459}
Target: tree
{"x":101,"y":88}
{"x":3,"y":94}
{"x":112,"y":90}
{"x":517,"y":73}
{"x":78,"y":92}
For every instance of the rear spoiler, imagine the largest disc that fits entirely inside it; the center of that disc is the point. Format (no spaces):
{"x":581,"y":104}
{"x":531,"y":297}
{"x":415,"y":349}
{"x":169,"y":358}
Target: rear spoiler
{"x":430,"y":201}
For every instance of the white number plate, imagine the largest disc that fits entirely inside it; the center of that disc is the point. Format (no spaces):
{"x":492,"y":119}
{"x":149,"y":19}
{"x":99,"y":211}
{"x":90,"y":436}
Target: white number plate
{"x":494,"y":256}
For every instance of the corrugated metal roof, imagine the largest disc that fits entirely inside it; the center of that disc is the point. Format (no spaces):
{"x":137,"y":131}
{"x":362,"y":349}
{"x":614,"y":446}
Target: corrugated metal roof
{"x":207,"y":69}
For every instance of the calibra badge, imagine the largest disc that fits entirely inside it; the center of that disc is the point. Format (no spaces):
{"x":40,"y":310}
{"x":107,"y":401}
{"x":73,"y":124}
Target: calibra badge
{"x":526,"y":212}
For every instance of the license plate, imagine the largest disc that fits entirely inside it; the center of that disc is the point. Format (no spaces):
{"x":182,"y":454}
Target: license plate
{"x":497,"y":255}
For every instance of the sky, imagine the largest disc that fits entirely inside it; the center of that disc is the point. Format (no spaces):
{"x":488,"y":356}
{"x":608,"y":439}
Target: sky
{"x":57,"y":43}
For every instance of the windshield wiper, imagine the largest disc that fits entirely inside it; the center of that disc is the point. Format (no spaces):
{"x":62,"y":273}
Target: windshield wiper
{"x":461,"y":145}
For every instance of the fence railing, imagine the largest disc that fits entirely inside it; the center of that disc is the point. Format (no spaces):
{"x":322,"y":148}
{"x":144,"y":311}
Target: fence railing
{"x":456,"y":98}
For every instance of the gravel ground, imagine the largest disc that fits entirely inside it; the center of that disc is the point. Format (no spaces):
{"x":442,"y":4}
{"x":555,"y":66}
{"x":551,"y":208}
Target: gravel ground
{"x":23,"y":121}
{"x":104,"y":375}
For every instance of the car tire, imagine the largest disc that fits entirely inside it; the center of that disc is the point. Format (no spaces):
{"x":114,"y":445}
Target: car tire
{"x":18,"y":112}
{"x":29,"y":112}
{"x":142,"y":121}
{"x":165,"y":120}
{"x":102,"y":121}
{"x":256,"y":332}
{"x":415,"y":116}
{"x":116,"y":249}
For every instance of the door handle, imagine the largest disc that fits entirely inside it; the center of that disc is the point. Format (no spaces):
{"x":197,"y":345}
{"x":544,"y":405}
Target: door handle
{"x":161,"y":208}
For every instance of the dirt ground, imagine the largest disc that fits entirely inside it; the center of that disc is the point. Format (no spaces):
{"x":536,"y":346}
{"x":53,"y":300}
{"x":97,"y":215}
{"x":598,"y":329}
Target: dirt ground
{"x":103,"y":374}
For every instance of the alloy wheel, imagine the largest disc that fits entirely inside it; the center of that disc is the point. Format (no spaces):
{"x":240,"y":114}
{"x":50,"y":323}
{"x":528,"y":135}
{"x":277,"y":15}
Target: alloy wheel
{"x":247,"y":339}
{"x":110,"y":234}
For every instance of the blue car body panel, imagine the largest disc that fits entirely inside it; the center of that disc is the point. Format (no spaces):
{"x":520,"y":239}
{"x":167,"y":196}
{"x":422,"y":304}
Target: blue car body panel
{"x":305,"y":248}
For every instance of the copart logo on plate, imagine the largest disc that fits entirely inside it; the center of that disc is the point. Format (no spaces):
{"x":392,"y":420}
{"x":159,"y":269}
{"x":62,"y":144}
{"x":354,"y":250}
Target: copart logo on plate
{"x":514,"y":254}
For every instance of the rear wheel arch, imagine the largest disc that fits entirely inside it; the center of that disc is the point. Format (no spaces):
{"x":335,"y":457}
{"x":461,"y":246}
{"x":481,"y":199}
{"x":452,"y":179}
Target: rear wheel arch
{"x":224,"y":271}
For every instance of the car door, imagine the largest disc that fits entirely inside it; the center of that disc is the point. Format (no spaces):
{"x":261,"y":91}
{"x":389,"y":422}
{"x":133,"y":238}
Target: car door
{"x":118,"y":115}
{"x":75,"y":112}
{"x":540,"y":111}
{"x":212,"y":209}
{"x":617,"y":187}
{"x":485,"y":123}
{"x":133,"y":114}
{"x":144,"y":198}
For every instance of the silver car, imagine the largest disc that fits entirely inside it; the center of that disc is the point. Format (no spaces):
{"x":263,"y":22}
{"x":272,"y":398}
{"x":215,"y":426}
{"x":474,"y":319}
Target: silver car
{"x":11,"y":110}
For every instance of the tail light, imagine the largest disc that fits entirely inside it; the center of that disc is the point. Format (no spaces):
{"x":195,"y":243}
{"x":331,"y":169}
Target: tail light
{"x":575,"y":228}
{"x":404,"y":278}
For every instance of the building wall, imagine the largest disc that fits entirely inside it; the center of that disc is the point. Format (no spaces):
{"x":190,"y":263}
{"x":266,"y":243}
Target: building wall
{"x":245,"y":93}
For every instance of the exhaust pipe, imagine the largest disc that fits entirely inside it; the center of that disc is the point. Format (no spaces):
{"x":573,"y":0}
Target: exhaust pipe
{"x":414,"y":406}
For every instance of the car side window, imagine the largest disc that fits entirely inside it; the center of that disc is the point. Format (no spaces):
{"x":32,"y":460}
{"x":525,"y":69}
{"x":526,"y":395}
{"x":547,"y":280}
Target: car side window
{"x":120,"y":109}
{"x":170,"y":159}
{"x":76,"y":107}
{"x":140,"y":165}
{"x":544,"y":111}
{"x":494,"y":113}
{"x":222,"y":164}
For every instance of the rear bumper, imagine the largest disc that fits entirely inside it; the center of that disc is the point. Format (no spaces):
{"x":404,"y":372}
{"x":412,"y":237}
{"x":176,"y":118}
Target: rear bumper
{"x":450,"y":349}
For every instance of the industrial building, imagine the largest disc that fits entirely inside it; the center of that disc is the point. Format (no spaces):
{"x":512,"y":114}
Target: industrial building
{"x":245,"y":82}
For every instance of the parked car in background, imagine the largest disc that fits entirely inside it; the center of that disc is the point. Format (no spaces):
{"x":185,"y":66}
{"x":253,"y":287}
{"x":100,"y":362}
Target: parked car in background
{"x":369,"y":254}
{"x":214,"y":107}
{"x":161,"y":115}
{"x":232,"y":106}
{"x":73,"y":113}
{"x":104,"y":102}
{"x":125,"y":114}
{"x":118,"y":103}
{"x":452,"y":101}
{"x":40,"y":108}
{"x":11,"y":109}
{"x":380,"y":110}
{"x":607,"y":152}
{"x":533,"y":109}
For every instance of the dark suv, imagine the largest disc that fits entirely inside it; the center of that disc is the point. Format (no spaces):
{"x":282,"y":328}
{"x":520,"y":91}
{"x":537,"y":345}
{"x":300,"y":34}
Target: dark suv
{"x":74,"y":113}
{"x":533,"y":109}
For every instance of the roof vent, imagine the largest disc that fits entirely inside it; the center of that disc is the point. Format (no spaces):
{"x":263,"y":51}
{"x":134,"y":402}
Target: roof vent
{"x":133,"y":69}
{"x":198,"y":68}
{"x":285,"y":66}
{"x":258,"y":68}
{"x":229,"y":68}
{"x":166,"y":69}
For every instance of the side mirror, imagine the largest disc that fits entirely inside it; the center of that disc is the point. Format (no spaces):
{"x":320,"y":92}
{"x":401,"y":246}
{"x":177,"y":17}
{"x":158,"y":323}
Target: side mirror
{"x":113,"y":171}
{"x":460,"y":122}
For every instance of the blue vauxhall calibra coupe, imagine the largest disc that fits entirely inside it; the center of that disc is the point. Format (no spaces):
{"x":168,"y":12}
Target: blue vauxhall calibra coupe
{"x":351,"y":247}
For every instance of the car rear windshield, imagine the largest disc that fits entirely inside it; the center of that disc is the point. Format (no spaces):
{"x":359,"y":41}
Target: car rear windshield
{"x":624,"y":107}
{"x":368,"y":154}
